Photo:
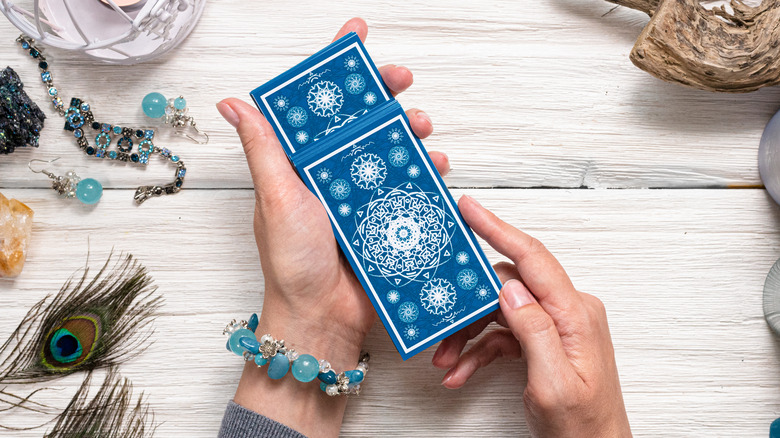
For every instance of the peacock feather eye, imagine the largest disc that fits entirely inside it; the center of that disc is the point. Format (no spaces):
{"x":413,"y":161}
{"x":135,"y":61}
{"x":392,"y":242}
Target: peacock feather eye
{"x":71,"y":342}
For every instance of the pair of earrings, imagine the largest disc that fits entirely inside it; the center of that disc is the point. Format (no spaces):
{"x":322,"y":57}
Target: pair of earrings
{"x":172,"y":112}
{"x":87,"y":190}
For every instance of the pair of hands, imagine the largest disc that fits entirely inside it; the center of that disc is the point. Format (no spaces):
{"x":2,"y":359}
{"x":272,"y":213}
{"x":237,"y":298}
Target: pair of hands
{"x":315,"y":302}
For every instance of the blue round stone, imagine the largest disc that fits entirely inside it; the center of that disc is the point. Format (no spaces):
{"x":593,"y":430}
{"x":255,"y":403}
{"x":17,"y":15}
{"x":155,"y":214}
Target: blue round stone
{"x":154,"y":105}
{"x":354,"y":376}
{"x":278,"y":366}
{"x":179,"y":103}
{"x":89,"y":191}
{"x":235,"y":340}
{"x":774,"y":429}
{"x":260,"y":360}
{"x":328,"y":378}
{"x":305,"y":368}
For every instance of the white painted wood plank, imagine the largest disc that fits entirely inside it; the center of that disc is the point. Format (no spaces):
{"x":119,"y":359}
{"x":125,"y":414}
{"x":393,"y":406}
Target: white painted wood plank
{"x":681,"y":273}
{"x":522,"y":95}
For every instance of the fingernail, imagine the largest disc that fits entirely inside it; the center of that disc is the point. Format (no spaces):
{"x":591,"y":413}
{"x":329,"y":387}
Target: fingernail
{"x":228,"y":114}
{"x":447,"y":377}
{"x":425,"y":117}
{"x":436,"y":355}
{"x":472,"y":200}
{"x":516,"y":295}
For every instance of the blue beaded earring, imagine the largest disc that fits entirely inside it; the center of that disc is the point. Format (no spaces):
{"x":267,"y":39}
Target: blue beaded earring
{"x":87,"y":190}
{"x":172,"y":112}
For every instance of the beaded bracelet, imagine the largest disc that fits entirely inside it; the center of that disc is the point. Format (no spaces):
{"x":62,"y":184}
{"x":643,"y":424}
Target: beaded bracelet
{"x":243,"y":342}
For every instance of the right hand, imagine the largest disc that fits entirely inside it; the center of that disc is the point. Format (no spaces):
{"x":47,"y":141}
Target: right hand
{"x":573,"y":386}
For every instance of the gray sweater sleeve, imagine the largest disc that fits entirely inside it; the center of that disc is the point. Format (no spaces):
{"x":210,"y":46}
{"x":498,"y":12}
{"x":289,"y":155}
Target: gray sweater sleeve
{"x":240,"y":422}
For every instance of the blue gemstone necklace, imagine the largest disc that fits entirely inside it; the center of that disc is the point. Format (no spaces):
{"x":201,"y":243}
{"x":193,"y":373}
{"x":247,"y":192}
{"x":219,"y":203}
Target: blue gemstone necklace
{"x":79,"y":120}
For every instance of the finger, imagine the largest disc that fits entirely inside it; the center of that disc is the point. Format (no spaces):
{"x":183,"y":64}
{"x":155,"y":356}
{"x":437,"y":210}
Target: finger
{"x":356,"y":25}
{"x":506,"y":271}
{"x":538,"y":268}
{"x":449,"y":350}
{"x":268,"y":163}
{"x":499,"y":343}
{"x":421,"y":122}
{"x":397,"y":79}
{"x":537,"y":334}
{"x":441,"y":161}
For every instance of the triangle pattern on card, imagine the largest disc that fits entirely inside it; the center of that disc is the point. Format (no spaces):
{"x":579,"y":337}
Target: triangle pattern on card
{"x":337,"y":119}
{"x":380,"y":192}
{"x":446,"y":253}
{"x":409,"y":186}
{"x":370,"y":268}
{"x":427,"y":275}
{"x":450,"y":223}
{"x":435,"y":199}
{"x":360,"y":213}
{"x":356,"y":242}
{"x":397,"y":281}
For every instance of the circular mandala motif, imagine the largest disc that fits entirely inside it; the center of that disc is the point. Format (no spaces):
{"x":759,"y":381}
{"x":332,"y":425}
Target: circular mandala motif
{"x":413,"y":171}
{"x":301,"y":137}
{"x":438,"y":296}
{"x":411,"y":332}
{"x":297,"y":117}
{"x":345,"y":210}
{"x":324,"y":175}
{"x":398,"y":156}
{"x":467,"y":279}
{"x":351,"y":63}
{"x":281,"y":102}
{"x":325,"y":98}
{"x":403,"y":234}
{"x":354,"y":83}
{"x":462,"y":258}
{"x":368,"y":171}
{"x":482,"y":293}
{"x":340,"y":189}
{"x":395,"y":136}
{"x":369,"y":98}
{"x":407,"y":312}
{"x":393,"y":296}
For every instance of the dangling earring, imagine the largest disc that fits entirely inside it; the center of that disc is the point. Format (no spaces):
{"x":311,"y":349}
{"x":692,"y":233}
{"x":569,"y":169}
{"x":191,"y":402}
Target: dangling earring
{"x":85,"y":190}
{"x":172,"y":112}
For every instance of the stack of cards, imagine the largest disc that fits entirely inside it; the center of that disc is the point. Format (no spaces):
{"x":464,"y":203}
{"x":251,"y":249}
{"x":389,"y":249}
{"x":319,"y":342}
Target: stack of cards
{"x":393,"y":216}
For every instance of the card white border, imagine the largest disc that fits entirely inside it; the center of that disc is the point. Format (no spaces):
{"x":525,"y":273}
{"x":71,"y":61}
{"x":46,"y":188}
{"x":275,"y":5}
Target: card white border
{"x":368,"y":281}
{"x":354,"y":45}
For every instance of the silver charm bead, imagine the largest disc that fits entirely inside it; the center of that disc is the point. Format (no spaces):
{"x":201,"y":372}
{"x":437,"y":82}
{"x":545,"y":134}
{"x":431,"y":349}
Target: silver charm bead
{"x":324,"y":366}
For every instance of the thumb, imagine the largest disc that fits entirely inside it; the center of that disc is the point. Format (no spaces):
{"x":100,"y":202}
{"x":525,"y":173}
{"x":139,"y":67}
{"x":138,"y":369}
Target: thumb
{"x":266,"y":158}
{"x":537,"y":334}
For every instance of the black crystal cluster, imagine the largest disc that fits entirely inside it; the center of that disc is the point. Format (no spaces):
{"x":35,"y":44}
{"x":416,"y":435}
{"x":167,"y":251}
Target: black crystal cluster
{"x":21,"y":120}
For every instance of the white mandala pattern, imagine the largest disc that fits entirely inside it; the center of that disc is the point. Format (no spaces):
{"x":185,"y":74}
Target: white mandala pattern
{"x":413,"y":171}
{"x":354,"y":83}
{"x":368,"y":171}
{"x":369,"y":98}
{"x":395,"y":136}
{"x":398,"y":156}
{"x":393,"y":297}
{"x":351,"y":63}
{"x":482,"y":292}
{"x":324,"y":175}
{"x":404,"y":234}
{"x":297,"y":117}
{"x":325,"y":98}
{"x":340,"y":189}
{"x":301,"y":137}
{"x":467,"y":279}
{"x":407,"y":312}
{"x":462,"y":258}
{"x":281,"y":102}
{"x":345,"y":210}
{"x":438,"y":296}
{"x":411,"y":332}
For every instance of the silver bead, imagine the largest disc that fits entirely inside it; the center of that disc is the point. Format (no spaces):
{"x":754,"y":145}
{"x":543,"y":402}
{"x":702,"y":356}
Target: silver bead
{"x":248,"y":356}
{"x":72,"y":194}
{"x":70,"y":174}
{"x":266,"y":338}
{"x":362,"y":366}
{"x":332,"y":390}
{"x":292,"y":355}
{"x":324,"y":366}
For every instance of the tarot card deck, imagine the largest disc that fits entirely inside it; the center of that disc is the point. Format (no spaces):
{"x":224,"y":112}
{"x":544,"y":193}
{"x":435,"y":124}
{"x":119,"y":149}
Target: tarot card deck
{"x":392,"y":214}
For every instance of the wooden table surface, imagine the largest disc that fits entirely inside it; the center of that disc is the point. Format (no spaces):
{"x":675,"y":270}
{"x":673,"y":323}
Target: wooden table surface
{"x":546,"y":122}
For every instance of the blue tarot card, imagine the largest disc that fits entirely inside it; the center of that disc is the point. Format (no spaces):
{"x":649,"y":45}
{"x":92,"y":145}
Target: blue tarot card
{"x":392,"y":214}
{"x":323,"y":94}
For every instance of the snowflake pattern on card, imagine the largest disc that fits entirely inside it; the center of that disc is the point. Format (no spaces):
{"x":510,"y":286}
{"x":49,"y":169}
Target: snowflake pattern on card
{"x":438,"y":296}
{"x":368,"y":171}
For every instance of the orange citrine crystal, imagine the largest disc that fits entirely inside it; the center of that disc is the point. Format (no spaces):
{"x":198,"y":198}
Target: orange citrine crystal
{"x":15,"y":229}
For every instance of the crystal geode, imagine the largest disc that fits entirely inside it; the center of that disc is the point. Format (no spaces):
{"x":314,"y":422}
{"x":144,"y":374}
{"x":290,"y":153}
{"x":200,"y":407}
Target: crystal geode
{"x":21,"y":120}
{"x":15,"y":228}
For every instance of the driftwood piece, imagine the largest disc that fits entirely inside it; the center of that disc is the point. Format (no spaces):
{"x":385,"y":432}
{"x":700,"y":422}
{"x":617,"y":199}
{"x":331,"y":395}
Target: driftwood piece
{"x":715,"y":50}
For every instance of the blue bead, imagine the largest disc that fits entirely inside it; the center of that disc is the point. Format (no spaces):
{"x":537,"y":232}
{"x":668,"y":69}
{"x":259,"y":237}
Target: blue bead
{"x":328,"y":378}
{"x":175,"y":158}
{"x":149,"y":134}
{"x":154,"y":105}
{"x":235,"y":338}
{"x":250,"y":344}
{"x":323,"y":386}
{"x":260,"y":360}
{"x":117,"y":130}
{"x":774,"y":429}
{"x":112,"y":155}
{"x":253,"y":320}
{"x":46,"y":76}
{"x":305,"y":368}
{"x":278,"y":366}
{"x":25,"y":45}
{"x":89,"y":191}
{"x":227,"y":345}
{"x":354,"y":376}
{"x":179,"y":103}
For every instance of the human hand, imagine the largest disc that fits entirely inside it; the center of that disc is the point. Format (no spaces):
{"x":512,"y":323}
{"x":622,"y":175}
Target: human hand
{"x":312,"y":298}
{"x":573,"y":387}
